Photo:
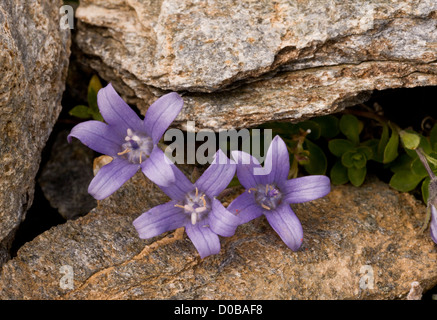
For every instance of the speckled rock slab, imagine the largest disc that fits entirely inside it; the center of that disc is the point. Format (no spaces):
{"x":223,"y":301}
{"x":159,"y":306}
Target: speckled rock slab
{"x":34,"y":53}
{"x":242,"y":63}
{"x":359,"y":243}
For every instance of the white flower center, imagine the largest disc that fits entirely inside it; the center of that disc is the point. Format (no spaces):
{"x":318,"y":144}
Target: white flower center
{"x":137,"y":148}
{"x":267,"y":196}
{"x":196,"y":205}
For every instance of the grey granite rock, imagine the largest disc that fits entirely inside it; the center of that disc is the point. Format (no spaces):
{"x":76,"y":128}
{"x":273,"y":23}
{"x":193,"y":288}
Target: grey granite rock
{"x":34,"y":54}
{"x":242,"y":63}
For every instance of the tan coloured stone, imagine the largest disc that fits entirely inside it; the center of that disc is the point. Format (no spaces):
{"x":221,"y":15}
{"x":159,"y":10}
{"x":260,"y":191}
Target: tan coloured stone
{"x":359,"y":243}
{"x":34,"y":53}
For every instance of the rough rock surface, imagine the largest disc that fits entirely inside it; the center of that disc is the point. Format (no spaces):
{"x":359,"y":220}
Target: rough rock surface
{"x":34,"y":54}
{"x":241,"y":63}
{"x":65,"y":178}
{"x":360,"y":243}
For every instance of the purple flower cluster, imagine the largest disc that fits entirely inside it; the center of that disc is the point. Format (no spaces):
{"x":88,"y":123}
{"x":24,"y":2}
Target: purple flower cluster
{"x":133,"y":145}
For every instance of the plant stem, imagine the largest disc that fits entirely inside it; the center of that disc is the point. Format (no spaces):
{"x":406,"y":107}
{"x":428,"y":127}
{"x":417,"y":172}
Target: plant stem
{"x":425,"y":163}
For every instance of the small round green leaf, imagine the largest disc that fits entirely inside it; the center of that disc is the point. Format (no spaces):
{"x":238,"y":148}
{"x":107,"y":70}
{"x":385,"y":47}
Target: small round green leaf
{"x":80,"y":111}
{"x":347,"y":158}
{"x":410,"y":140}
{"x":339,"y":146}
{"x":418,"y":169}
{"x":391,"y":149}
{"x":338,"y":174}
{"x":317,"y":160}
{"x":405,"y":180}
{"x":350,"y":127}
{"x":357,"y":175}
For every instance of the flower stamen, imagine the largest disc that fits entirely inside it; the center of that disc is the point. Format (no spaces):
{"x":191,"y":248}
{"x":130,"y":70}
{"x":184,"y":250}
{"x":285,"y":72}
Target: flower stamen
{"x":124,"y":152}
{"x":193,"y":218}
{"x":203,"y":200}
{"x":265,"y":207}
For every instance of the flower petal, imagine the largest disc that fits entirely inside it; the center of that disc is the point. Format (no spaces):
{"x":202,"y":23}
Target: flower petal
{"x":277,"y":162}
{"x":245,"y":207}
{"x":116,"y":112}
{"x":287,"y":225}
{"x":157,"y":168}
{"x":247,"y":167}
{"x":221,"y":221}
{"x":218,"y":175}
{"x":306,"y":188}
{"x":111,"y":177}
{"x":433,"y":224}
{"x":203,"y":238}
{"x":180,"y":188}
{"x":159,"y":219}
{"x":97,"y":136}
{"x":161,"y":114}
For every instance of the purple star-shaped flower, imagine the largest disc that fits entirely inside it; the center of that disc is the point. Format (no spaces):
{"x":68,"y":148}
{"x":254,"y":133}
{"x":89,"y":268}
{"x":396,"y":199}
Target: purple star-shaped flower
{"x":271,"y":193}
{"x":194,"y":207}
{"x":130,"y":141}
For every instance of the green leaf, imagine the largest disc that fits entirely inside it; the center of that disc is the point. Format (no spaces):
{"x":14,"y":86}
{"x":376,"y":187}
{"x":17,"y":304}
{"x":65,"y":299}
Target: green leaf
{"x":371,"y":144}
{"x":93,"y":88}
{"x":367,"y":151}
{"x":410,"y":140}
{"x":432,"y":160}
{"x":317,"y":159}
{"x":338,"y":174}
{"x":405,"y":180}
{"x":383,"y":143}
{"x":403,"y":162}
{"x":97,"y":116}
{"x":350,"y":127}
{"x":424,"y":144}
{"x":356,"y":175}
{"x":80,"y":111}
{"x":339,"y":146}
{"x":347,"y":158}
{"x":328,"y":126}
{"x":391,"y":149}
{"x":425,"y":189}
{"x":418,"y":169}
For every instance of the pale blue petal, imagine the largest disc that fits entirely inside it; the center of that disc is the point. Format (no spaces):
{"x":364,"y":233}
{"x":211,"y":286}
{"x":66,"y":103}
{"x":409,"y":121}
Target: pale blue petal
{"x":305,"y":188}
{"x":245,"y":207}
{"x":203,"y":238}
{"x":159,"y":219}
{"x":286,"y":224}
{"x":222,"y":221}
{"x":161,"y":114}
{"x":111,"y":177}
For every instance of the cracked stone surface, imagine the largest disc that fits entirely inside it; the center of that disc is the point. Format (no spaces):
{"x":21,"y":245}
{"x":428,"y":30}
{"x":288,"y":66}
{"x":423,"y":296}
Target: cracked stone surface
{"x":359,"y":243}
{"x":242,"y":63}
{"x":34,"y":54}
